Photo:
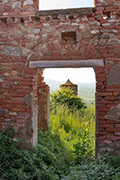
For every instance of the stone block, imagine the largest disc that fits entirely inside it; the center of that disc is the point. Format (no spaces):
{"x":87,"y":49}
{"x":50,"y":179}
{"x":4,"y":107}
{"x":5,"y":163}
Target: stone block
{"x":12,"y":51}
{"x":28,"y":2}
{"x":3,"y":111}
{"x":114,"y":114}
{"x":16,"y":4}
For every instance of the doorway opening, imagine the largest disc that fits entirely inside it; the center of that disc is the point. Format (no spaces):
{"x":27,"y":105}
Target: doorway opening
{"x":76,"y":127}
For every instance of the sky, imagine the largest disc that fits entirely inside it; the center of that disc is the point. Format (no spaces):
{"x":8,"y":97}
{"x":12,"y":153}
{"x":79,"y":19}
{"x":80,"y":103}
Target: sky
{"x":64,"y":4}
{"x":76,"y":75}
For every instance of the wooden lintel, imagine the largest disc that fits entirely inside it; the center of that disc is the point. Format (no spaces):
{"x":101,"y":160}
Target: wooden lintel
{"x":66,"y":63}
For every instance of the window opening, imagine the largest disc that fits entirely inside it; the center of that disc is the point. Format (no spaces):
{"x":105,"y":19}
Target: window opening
{"x":61,"y":4}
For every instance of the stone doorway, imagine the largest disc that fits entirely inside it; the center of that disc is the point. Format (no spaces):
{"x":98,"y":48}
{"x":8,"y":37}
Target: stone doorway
{"x":43,"y":89}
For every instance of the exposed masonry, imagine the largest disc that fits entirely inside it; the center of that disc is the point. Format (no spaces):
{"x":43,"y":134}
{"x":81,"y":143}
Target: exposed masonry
{"x":31,"y":40}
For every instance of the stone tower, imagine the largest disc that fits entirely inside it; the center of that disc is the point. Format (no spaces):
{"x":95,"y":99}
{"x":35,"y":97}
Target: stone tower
{"x":71,"y":86}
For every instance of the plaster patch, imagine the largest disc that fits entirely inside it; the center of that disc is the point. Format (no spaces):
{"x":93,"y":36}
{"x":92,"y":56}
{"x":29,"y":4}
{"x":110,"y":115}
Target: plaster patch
{"x":114,"y":75}
{"x":28,"y":100}
{"x":114,"y":113}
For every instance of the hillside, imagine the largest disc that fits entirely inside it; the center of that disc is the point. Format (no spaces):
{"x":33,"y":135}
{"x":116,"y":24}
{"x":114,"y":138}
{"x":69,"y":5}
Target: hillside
{"x":85,"y":90}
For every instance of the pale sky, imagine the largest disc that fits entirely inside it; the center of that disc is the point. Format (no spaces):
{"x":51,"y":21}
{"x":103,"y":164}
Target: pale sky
{"x":76,"y":75}
{"x":64,"y":4}
{"x":85,"y":75}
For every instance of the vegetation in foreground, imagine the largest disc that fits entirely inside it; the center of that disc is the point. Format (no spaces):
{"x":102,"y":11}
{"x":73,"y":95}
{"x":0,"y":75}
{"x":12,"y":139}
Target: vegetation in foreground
{"x":64,"y":152}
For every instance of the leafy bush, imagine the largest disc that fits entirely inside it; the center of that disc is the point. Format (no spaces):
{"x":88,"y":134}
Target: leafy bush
{"x":101,"y":170}
{"x":51,"y":161}
{"x":65,"y":96}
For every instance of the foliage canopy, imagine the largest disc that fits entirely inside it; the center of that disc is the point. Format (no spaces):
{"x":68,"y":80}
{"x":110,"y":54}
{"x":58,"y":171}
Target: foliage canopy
{"x":65,"y":96}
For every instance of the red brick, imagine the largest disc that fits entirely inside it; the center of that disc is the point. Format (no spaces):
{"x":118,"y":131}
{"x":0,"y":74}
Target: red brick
{"x":109,"y":98}
{"x":117,"y":27}
{"x":18,"y":110}
{"x":101,"y":121}
{"x":25,"y":83}
{"x":112,"y":137}
{"x":101,"y":117}
{"x":21,"y":120}
{"x":20,"y":124}
{"x":99,"y":8}
{"x":99,"y":12}
{"x":104,"y":94}
{"x":117,"y":125}
{"x":112,"y":129}
{"x":109,"y":122}
{"x":107,"y":141}
{"x":109,"y":27}
{"x":101,"y":113}
{"x":106,"y":125}
{"x":109,"y":105}
{"x":102,"y":133}
{"x":117,"y":133}
{"x":111,"y":89}
{"x":18,"y":95}
{"x":23,"y":91}
{"x":116,"y":93}
{"x":101,"y":137}
{"x":101,"y":129}
{"x":103,"y":109}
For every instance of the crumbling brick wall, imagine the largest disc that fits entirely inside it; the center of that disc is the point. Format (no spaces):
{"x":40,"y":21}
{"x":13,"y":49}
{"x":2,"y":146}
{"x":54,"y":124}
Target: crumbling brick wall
{"x":28,"y":35}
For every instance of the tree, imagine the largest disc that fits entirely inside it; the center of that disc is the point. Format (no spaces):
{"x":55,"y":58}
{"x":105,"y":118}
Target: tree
{"x":66,"y":96}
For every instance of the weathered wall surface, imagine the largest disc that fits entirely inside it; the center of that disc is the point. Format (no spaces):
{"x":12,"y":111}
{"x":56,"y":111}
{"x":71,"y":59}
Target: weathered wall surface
{"x":43,"y":95}
{"x":75,"y":34}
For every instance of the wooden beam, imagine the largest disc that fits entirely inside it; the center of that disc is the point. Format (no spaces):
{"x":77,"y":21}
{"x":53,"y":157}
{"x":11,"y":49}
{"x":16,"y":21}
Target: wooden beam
{"x":66,"y":63}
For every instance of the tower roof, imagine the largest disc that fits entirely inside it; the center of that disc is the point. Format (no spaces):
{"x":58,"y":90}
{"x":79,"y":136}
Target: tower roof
{"x":68,"y":83}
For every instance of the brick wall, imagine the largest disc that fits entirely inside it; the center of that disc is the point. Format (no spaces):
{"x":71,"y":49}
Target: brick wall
{"x":75,"y":34}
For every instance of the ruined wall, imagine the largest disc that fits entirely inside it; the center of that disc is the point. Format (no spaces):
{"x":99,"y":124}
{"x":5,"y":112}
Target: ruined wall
{"x":43,"y":94}
{"x":18,"y":92}
{"x":75,"y":34}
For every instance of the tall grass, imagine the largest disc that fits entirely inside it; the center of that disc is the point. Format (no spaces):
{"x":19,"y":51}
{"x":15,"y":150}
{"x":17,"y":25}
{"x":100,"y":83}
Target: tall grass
{"x":63,"y":152}
{"x":76,"y":129}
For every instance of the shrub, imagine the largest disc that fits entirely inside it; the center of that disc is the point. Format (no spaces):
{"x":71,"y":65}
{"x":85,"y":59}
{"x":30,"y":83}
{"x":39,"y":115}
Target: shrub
{"x":51,"y":161}
{"x":65,"y":96}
